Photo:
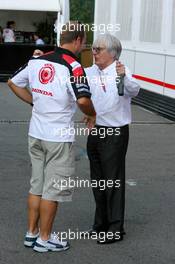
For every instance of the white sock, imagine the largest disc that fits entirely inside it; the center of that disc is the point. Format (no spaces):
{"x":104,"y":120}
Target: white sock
{"x":32,"y":235}
{"x":42,"y":241}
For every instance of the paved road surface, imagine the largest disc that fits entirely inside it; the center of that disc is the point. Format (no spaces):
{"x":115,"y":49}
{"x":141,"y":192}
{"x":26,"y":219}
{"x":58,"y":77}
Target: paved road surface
{"x":150,"y":194}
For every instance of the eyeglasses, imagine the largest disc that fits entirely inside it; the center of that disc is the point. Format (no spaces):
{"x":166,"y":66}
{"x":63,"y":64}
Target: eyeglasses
{"x":97,"y":49}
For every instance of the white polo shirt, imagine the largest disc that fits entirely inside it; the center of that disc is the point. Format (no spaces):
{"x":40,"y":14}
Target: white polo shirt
{"x":54,"y":96}
{"x":8,"y":35}
{"x":112,"y":110}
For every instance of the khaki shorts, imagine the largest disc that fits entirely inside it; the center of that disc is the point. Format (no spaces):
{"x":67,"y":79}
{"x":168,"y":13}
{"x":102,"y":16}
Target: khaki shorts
{"x":53,"y":167}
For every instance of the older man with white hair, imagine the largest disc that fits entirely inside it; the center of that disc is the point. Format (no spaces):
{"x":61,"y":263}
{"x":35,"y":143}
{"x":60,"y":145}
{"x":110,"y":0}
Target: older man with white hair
{"x":108,"y":141}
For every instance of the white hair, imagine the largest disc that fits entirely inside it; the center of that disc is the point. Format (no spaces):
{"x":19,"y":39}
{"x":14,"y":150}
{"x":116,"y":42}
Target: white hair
{"x":111,"y":43}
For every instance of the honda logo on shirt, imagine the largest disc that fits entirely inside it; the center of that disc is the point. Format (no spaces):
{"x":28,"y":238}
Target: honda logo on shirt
{"x":47,"y":73}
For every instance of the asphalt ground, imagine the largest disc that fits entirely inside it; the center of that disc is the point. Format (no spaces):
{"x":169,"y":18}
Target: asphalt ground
{"x":150,"y":195}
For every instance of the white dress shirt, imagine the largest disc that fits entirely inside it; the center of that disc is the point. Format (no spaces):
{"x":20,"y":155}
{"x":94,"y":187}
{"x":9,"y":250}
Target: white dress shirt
{"x":112,"y":110}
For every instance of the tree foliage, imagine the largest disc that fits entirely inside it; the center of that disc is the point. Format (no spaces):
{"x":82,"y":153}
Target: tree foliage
{"x":82,"y":10}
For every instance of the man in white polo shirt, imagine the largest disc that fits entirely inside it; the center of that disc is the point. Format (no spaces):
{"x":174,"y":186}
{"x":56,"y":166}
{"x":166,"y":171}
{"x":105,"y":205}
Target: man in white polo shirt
{"x":108,"y":141}
{"x":55,"y":86}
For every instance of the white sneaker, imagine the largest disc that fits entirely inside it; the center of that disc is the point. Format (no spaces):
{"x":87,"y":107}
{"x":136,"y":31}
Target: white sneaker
{"x":30,"y":239}
{"x":53,"y":244}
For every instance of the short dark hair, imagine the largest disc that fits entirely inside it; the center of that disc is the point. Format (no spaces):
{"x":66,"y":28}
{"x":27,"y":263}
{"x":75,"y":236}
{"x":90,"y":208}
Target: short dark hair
{"x":9,"y":23}
{"x":37,"y":34}
{"x":71,"y":31}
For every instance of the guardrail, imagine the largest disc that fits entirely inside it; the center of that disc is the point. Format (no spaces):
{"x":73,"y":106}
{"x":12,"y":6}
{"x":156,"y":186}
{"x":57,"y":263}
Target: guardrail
{"x":161,"y":104}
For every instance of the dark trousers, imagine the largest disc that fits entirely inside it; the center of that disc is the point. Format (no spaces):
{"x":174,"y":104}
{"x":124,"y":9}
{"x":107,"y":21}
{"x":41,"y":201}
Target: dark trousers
{"x":107,"y":162}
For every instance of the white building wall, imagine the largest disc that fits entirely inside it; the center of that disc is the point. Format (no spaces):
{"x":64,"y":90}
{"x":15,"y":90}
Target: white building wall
{"x":148,"y":38}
